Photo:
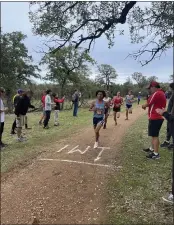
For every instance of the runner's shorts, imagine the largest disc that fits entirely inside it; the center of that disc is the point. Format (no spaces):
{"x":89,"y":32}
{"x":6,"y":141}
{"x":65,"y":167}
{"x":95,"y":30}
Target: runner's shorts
{"x":20,"y":120}
{"x":97,"y":120}
{"x":154,"y":127}
{"x":128,"y":106}
{"x":117,"y":109}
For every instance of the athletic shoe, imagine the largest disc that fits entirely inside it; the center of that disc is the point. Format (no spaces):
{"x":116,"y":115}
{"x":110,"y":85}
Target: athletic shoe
{"x":21,"y":139}
{"x":56,"y":124}
{"x":47,"y":127}
{"x":148,"y":150}
{"x":171,"y":147}
{"x":2,"y":145}
{"x":12,"y":133}
{"x":153,"y":156}
{"x":168,"y":199}
{"x":96,"y":145}
{"x":165,"y":144}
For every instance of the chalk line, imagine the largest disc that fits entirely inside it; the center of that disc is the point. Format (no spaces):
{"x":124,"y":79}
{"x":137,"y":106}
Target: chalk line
{"x":63,"y":148}
{"x":79,"y":162}
{"x":100,"y":153}
{"x":78,"y":150}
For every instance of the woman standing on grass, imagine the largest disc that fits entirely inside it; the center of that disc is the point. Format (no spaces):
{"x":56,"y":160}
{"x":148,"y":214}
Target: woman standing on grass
{"x":98,"y":107}
{"x":107,"y":100}
{"x":117,"y":101}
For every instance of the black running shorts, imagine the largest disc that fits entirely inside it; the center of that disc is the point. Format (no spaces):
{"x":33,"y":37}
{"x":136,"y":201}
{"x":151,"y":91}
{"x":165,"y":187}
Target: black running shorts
{"x":154,"y":127}
{"x":115,"y":109}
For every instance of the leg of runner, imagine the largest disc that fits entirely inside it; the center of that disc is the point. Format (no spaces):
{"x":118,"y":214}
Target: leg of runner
{"x":127,"y":113}
{"x":106,"y":118}
{"x":97,"y":128}
{"x":115,"y":117}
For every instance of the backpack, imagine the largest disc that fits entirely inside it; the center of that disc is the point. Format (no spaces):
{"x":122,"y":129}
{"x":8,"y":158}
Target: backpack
{"x":73,"y":98}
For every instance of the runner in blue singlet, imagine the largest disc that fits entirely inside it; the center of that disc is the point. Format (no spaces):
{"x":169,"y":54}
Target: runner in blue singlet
{"x":129,"y":101}
{"x":98,"y":107}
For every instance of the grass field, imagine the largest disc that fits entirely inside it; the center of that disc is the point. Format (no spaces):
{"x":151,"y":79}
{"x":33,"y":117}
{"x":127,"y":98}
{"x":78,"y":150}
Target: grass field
{"x":135,"y":193}
{"x":21,"y":153}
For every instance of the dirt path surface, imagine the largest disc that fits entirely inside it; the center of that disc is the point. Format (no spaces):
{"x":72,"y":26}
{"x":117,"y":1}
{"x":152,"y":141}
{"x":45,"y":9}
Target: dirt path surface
{"x":64,"y":185}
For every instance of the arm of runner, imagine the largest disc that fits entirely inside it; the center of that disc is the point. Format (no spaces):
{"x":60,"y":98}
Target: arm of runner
{"x":59,"y":100}
{"x":92,"y":107}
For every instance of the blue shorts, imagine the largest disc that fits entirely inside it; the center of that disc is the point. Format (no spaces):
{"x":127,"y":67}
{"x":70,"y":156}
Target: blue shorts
{"x":98,"y":120}
{"x":128,"y":106}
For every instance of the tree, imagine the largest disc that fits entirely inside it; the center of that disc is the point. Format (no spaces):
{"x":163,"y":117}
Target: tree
{"x":152,"y":78}
{"x":17,"y":66}
{"x":107,"y":74}
{"x":153,"y":25}
{"x":66,"y":66}
{"x":172,"y":77}
{"x":64,"y":22}
{"x":140,"y":79}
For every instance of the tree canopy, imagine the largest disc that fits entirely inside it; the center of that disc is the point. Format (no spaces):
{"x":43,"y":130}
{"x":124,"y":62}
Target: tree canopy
{"x":81,"y":22}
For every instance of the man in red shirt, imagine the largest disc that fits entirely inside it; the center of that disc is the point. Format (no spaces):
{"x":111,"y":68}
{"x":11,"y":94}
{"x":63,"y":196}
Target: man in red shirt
{"x":157,"y":100}
{"x":117,"y":102}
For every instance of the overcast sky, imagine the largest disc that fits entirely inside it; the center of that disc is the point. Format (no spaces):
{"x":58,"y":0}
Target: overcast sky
{"x":14,"y":17}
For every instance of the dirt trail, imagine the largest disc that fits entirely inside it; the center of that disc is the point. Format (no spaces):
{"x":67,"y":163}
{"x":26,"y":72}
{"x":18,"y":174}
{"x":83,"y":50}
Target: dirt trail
{"x":65,"y":192}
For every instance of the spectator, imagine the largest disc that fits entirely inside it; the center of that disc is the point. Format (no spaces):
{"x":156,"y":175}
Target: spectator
{"x":15,"y":101}
{"x":156,"y":100}
{"x":2,"y":116}
{"x":48,"y":108}
{"x":170,"y":118}
{"x":57,"y":108}
{"x":166,"y":143}
{"x":28,"y":95}
{"x":43,"y":106}
{"x":21,"y":110}
{"x":75,"y":100}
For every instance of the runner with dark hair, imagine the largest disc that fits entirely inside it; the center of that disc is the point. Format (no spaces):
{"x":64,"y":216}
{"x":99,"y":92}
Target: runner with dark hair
{"x":117,"y":101}
{"x":129,"y":99}
{"x":98,"y":107}
{"x":107,"y":100}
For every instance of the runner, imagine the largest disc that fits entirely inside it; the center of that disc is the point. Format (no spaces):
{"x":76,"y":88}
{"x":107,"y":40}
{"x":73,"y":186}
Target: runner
{"x":129,"y":101}
{"x":139,"y":97}
{"x":98,"y":107}
{"x":43,"y":107}
{"x":107,"y":100}
{"x":117,"y":102}
{"x":57,"y":108}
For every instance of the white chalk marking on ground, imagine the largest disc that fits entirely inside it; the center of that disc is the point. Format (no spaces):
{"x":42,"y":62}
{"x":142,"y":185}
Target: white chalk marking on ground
{"x":78,"y":150}
{"x":79,"y":162}
{"x":100,"y":153}
{"x":63,"y":148}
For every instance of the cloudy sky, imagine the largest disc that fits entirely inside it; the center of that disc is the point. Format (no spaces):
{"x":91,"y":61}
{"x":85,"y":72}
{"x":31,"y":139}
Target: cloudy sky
{"x":14,"y":17}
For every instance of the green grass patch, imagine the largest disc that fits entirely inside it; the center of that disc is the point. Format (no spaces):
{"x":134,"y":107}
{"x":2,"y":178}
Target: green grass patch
{"x":20,"y":153}
{"x":135,"y":193}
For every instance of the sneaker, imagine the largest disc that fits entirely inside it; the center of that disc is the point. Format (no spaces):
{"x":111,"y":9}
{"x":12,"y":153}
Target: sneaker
{"x":96,"y":145}
{"x":47,"y":127}
{"x":148,"y":150}
{"x":165,"y":144}
{"x":153,"y":156}
{"x":168,"y":199}
{"x":12,"y":133}
{"x":21,"y":139}
{"x":56,"y":124}
{"x":171,"y":147}
{"x":2,"y":145}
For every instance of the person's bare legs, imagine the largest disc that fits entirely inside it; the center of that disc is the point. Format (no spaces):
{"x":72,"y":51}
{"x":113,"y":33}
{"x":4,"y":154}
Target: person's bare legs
{"x":97,"y":135}
{"x":19,"y":132}
{"x":127,"y":113}
{"x":155,"y":144}
{"x":115,"y":117}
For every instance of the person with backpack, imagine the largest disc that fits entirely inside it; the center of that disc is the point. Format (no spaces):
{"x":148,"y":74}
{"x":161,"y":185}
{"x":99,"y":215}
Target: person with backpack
{"x":57,"y":101}
{"x":75,"y":100}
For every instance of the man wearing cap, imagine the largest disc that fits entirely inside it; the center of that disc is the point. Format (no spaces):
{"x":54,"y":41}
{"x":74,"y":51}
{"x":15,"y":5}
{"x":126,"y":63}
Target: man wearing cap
{"x":16,"y":98}
{"x":155,"y":101}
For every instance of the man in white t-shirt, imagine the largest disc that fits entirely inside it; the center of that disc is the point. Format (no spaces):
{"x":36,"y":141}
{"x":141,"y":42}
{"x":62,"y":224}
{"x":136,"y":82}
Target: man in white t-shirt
{"x":2,"y":116}
{"x":48,"y":107}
